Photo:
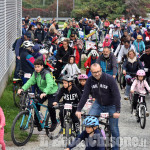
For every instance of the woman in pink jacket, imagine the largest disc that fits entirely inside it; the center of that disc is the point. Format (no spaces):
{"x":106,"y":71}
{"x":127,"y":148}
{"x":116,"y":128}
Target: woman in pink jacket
{"x":107,"y":41}
{"x":2,"y":124}
{"x":139,"y":86}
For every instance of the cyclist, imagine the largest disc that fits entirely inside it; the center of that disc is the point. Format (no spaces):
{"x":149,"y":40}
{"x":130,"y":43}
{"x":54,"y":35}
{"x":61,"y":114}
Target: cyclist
{"x":136,"y":33}
{"x":108,"y":62}
{"x":107,"y":41}
{"x":116,"y":31}
{"x":71,"y":68}
{"x":131,"y":65}
{"x":91,"y":60}
{"x":105,"y":90}
{"x":139,"y":45}
{"x":147,"y":41}
{"x":114,"y":44}
{"x":48,"y":89}
{"x":2,"y":124}
{"x":71,"y":95}
{"x":91,"y":133}
{"x":139,"y":86}
{"x":82,"y":81}
{"x":73,"y":30}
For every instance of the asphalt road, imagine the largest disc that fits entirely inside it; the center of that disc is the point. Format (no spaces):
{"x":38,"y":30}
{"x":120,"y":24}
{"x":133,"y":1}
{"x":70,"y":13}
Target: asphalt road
{"x":132,"y":136}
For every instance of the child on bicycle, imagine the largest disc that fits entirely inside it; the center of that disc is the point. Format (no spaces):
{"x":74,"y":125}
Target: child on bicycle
{"x":2,"y":124}
{"x":71,"y":68}
{"x":71,"y":95}
{"x":91,"y":135}
{"x":48,"y":88}
{"x":139,"y":86}
{"x":82,"y":81}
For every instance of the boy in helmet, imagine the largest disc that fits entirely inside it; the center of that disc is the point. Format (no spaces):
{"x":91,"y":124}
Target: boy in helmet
{"x":71,"y":95}
{"x":91,"y":134}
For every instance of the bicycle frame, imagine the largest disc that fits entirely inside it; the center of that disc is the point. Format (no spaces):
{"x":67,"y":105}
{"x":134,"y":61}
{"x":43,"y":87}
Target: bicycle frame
{"x":140,"y":104}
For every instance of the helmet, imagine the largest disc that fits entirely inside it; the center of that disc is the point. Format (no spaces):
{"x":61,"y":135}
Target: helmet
{"x":133,"y":16}
{"x":68,"y":78}
{"x":136,"y":22}
{"x":55,"y":52}
{"x":139,"y":37}
{"x":140,"y":24}
{"x":115,"y":36}
{"x":111,"y":26}
{"x":83,"y":77}
{"x":91,"y":121}
{"x":62,"y":39}
{"x":140,"y":73}
{"x":27,"y":44}
{"x":43,"y":51}
{"x":93,"y":53}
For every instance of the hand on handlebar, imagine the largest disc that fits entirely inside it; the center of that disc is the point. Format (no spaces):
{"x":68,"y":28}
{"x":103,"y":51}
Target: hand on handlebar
{"x":55,"y":103}
{"x":132,"y":91}
{"x":78,"y":114}
{"x":116,"y":115}
{"x":42,"y":95}
{"x":124,"y":72}
{"x":19,"y":91}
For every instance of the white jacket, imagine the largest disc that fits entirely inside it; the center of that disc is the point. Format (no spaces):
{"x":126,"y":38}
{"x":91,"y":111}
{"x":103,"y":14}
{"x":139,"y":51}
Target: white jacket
{"x":125,"y":51}
{"x":72,"y":69}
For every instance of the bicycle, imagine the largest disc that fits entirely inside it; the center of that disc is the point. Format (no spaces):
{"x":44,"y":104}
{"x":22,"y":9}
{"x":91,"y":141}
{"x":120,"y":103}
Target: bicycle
{"x":68,"y":129}
{"x":141,"y":110}
{"x":23,"y":124}
{"x":106,"y":133}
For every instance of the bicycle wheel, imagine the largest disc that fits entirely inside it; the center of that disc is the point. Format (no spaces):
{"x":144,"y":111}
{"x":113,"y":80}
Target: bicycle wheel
{"x":16,"y":97}
{"x":22,"y":128}
{"x":131,"y":102}
{"x":121,"y":81}
{"x":119,"y":72}
{"x":56,"y":133}
{"x":108,"y":138}
{"x":142,"y":117}
{"x":23,"y":104}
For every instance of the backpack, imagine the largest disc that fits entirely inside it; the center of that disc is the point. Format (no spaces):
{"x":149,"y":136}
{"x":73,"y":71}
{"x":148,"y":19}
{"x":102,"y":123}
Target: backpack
{"x":14,"y":44}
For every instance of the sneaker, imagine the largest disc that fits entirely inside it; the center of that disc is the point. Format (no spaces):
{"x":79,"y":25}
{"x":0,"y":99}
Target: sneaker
{"x":53,"y":127}
{"x":61,"y":131}
{"x":147,"y":113}
{"x":126,"y":97}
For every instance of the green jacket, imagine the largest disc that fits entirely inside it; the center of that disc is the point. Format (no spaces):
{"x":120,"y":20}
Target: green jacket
{"x":74,"y":30}
{"x":44,"y":81}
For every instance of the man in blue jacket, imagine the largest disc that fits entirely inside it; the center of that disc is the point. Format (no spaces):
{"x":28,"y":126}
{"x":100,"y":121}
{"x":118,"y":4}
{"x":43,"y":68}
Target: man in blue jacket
{"x":105,"y":90}
{"x":18,"y":50}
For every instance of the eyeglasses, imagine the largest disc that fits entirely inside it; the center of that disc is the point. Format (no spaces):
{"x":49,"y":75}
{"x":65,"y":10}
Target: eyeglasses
{"x":96,"y":72}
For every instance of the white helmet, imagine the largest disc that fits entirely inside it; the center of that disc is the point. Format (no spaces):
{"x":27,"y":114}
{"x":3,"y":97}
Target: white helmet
{"x":111,"y":26}
{"x":27,"y":44}
{"x":94,"y":53}
{"x":62,"y":39}
{"x":43,"y":51}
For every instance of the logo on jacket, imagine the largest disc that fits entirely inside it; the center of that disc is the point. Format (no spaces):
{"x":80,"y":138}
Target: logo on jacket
{"x":70,"y":96}
{"x":103,"y":86}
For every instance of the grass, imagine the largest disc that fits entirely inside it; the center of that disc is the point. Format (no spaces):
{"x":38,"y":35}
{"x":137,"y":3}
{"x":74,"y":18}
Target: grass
{"x":10,"y":110}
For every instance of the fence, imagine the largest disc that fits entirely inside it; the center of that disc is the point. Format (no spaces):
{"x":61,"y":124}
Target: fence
{"x":10,"y":29}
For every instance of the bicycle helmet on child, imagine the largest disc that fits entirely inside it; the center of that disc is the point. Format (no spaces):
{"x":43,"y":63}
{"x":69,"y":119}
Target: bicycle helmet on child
{"x":43,"y":51}
{"x":27,"y":44}
{"x":93,"y":53}
{"x":83,"y":77}
{"x":140,"y":73}
{"x":68,"y":78}
{"x":91,"y":121}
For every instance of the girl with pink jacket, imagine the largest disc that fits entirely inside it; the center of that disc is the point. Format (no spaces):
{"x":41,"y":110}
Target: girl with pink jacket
{"x":139,"y":86}
{"x":2,"y":124}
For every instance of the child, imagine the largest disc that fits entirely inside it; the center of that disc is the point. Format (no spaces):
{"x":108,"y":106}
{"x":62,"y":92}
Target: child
{"x":107,"y":41}
{"x":72,"y":68}
{"x":82,"y":80}
{"x":115,"y":42}
{"x":2,"y":124}
{"x":91,"y":135}
{"x":70,"y":94}
{"x":139,"y":85}
{"x":47,"y":86}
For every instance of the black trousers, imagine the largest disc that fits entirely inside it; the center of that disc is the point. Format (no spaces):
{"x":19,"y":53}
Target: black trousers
{"x":51,"y":110}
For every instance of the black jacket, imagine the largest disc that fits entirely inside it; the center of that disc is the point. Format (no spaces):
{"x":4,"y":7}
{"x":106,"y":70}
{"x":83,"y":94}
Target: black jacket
{"x":72,"y":96}
{"x":105,"y":91}
{"x":146,"y":59}
{"x":39,"y":34}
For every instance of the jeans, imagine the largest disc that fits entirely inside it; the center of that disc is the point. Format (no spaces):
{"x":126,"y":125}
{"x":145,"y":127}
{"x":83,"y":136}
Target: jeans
{"x":128,"y":87}
{"x":96,"y":109}
{"x":18,"y":66}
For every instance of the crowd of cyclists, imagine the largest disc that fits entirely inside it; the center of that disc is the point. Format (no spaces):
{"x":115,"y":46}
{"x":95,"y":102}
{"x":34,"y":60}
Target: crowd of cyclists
{"x":46,"y":54}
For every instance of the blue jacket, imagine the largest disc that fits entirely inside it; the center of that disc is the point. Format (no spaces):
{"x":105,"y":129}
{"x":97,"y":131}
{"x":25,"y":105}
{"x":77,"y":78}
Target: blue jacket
{"x":105,"y":91}
{"x":18,"y":45}
{"x":140,"y":47}
{"x":92,"y":143}
{"x":135,"y":34}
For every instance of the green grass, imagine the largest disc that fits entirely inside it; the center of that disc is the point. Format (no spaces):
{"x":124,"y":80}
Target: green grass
{"x":10,"y":110}
{"x":82,"y":64}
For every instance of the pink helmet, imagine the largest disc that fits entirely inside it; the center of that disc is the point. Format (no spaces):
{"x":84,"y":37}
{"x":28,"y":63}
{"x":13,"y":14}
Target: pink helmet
{"x":140,"y":73}
{"x":83,"y":77}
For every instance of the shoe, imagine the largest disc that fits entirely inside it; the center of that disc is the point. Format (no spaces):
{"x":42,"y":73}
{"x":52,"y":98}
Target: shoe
{"x":36,"y":124}
{"x":134,"y":112}
{"x":61,"y":131}
{"x":39,"y":128}
{"x":53,"y":127}
{"x":147,"y":114}
{"x":126,"y":97}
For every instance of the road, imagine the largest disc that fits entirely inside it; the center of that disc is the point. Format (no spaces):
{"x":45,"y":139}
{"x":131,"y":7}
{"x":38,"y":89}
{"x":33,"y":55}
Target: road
{"x":132,"y":136}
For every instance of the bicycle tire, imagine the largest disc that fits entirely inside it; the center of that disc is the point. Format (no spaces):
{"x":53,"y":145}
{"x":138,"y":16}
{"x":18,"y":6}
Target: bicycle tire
{"x":16,"y":98}
{"x":55,"y":134}
{"x":121,"y":81}
{"x":131,"y":102}
{"x":108,"y":138}
{"x":142,"y":117}
{"x":119,"y":73}
{"x":15,"y":138}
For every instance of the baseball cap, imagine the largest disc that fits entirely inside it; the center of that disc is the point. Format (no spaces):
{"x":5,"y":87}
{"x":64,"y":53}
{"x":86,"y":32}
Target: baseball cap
{"x":28,"y":34}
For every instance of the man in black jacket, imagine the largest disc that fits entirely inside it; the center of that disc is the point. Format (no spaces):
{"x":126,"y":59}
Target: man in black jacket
{"x":105,"y":90}
{"x":39,"y":33}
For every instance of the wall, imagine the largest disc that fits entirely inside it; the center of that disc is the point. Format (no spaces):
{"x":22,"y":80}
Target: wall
{"x":10,"y":29}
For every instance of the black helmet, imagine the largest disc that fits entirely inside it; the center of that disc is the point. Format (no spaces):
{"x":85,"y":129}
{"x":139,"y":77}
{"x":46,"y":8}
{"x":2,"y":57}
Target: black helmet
{"x":68,"y":78}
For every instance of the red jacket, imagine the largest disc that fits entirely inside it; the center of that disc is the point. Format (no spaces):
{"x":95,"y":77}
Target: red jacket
{"x":88,"y":63}
{"x":147,"y":35}
{"x":77,"y":58}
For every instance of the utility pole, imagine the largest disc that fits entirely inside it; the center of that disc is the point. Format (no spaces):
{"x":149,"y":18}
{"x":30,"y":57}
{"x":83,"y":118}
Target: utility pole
{"x":73,"y":4}
{"x":43,"y":2}
{"x":57,"y":10}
